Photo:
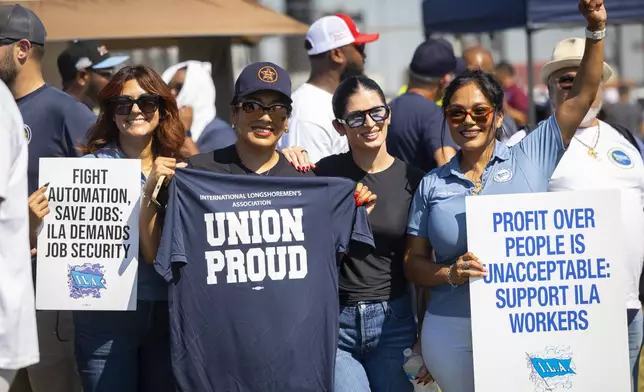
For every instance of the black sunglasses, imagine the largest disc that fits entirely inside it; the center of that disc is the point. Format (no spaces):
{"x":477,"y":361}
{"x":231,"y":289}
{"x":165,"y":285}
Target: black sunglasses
{"x":278,"y":110}
{"x":147,"y":103}
{"x":358,"y":119}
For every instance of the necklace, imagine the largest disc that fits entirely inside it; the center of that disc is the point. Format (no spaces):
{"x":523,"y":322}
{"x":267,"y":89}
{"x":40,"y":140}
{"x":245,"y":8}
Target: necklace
{"x":591,"y":150}
{"x":478,"y":185}
{"x":478,"y":182}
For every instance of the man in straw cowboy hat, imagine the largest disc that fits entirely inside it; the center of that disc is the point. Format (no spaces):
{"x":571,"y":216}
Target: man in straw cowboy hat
{"x":602,"y":156}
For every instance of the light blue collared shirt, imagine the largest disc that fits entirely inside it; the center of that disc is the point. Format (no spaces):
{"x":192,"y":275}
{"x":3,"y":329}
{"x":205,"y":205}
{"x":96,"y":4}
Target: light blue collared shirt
{"x":438,"y":209}
{"x":150,"y":285}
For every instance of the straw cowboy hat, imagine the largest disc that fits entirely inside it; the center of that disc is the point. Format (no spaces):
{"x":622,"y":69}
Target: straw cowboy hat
{"x":568,"y":53}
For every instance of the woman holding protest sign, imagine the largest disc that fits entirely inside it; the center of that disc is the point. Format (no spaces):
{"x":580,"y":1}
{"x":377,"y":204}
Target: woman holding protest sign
{"x":130,"y":351}
{"x":473,"y":107}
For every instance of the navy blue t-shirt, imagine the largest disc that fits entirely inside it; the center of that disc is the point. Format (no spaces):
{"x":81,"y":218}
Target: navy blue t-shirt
{"x":216,"y":135}
{"x":253,"y":266}
{"x":55,"y":123}
{"x":415,"y":131}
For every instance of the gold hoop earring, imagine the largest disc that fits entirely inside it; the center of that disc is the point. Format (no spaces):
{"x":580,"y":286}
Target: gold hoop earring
{"x":285,"y":130}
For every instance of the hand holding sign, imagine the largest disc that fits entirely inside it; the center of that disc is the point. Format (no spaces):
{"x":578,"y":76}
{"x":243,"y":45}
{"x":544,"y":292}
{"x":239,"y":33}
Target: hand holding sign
{"x":38,"y":209}
{"x":594,"y":12}
{"x":466,"y":267}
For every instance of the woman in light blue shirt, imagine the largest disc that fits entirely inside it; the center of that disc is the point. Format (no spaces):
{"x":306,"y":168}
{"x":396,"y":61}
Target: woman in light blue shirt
{"x":473,"y":107}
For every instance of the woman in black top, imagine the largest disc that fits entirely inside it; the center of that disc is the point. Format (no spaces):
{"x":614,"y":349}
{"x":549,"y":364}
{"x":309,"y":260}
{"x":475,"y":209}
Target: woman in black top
{"x":376,"y":320}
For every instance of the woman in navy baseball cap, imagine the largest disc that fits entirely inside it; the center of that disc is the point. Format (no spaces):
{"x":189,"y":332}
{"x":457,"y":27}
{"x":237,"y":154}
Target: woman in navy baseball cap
{"x":259,"y":113}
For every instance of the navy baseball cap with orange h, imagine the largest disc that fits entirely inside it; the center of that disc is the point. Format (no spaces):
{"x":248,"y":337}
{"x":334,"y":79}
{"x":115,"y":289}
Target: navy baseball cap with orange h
{"x":263,"y":76}
{"x":18,"y":23}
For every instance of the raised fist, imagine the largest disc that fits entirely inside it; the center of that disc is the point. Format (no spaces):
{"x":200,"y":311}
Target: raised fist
{"x":594,"y":12}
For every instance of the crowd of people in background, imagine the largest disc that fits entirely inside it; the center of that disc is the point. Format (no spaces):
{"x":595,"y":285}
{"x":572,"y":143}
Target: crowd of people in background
{"x":413,"y":159}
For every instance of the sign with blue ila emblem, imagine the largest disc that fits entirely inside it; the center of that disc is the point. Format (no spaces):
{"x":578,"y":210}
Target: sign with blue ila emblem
{"x":88,"y":247}
{"x":552,"y":308}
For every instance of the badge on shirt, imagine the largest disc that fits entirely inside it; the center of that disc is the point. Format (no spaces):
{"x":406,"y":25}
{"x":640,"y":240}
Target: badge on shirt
{"x":620,"y":158}
{"x":27,"y":133}
{"x":503,"y":175}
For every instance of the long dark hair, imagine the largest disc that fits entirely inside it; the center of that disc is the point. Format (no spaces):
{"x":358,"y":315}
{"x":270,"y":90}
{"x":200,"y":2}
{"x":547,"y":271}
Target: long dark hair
{"x":167,"y":138}
{"x":350,"y":86}
{"x":487,"y":84}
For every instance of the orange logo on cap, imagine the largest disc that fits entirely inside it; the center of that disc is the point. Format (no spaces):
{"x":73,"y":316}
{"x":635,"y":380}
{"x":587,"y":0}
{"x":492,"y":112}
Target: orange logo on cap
{"x":267,"y":74}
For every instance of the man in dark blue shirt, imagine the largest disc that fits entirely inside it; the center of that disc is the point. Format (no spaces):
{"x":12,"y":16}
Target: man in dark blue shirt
{"x":54,"y":123}
{"x":252,"y":262}
{"x":418,"y":134}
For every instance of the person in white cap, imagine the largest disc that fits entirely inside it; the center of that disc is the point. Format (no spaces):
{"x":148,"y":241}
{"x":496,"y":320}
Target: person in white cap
{"x":336,"y":51}
{"x":601,"y":156}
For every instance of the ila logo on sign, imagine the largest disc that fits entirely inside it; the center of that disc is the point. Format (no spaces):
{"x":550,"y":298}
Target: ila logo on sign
{"x":552,"y":368}
{"x":86,"y":280}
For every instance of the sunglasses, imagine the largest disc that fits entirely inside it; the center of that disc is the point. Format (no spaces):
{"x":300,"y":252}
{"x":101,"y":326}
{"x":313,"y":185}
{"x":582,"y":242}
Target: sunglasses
{"x":147,"y":103}
{"x":277,"y":111}
{"x":479,"y":114}
{"x":358,"y":119}
{"x":565,"y":82}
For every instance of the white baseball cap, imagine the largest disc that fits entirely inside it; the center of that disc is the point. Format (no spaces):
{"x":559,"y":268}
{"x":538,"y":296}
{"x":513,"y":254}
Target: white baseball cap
{"x":568,"y":53}
{"x":331,"y":32}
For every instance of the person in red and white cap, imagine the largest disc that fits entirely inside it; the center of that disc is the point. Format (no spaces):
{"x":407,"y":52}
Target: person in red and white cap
{"x":336,"y":50}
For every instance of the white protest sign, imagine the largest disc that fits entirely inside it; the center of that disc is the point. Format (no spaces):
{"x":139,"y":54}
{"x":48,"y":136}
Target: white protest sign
{"x":551,"y":314}
{"x":88,"y":248}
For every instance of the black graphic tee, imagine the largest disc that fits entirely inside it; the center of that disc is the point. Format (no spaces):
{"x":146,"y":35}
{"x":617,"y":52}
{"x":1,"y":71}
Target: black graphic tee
{"x":252,"y":265}
{"x":376,"y":274}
